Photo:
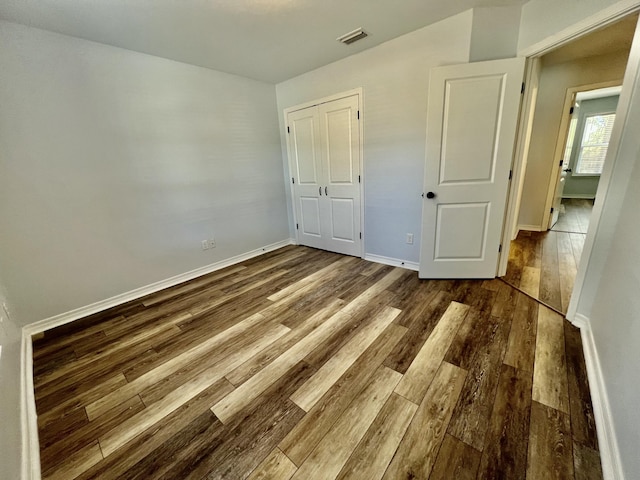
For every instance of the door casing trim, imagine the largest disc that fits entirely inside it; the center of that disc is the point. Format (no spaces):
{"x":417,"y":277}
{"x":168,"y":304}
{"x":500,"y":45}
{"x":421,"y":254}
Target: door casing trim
{"x":561,"y":141}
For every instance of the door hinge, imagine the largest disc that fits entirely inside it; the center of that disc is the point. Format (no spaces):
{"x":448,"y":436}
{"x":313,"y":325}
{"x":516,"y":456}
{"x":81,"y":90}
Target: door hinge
{"x":297,"y":227}
{"x":500,"y":248}
{"x":561,"y":162}
{"x":522,"y":89}
{"x":359,"y":180}
{"x":551,"y":209}
{"x":358,"y":114}
{"x":571,"y":111}
{"x":293,"y":180}
{"x":288,"y":130}
{"x":510,"y":174}
{"x":360,"y":235}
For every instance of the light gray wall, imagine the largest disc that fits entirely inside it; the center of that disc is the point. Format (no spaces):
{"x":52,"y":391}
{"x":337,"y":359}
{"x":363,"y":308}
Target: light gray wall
{"x":114,"y":165}
{"x":554,"y":82}
{"x":544,"y":18}
{"x":494,"y":34}
{"x":395,"y":79}
{"x":581,"y":187}
{"x":585,"y":186}
{"x":10,"y":340}
{"x":610,"y":294}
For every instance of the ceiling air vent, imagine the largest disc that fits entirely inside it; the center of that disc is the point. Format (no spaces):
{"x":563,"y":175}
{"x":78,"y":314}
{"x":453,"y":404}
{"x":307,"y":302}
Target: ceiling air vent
{"x":349,"y":38}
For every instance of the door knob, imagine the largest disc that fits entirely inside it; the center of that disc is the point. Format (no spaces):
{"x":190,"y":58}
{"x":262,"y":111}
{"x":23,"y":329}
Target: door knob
{"x":431,"y":195}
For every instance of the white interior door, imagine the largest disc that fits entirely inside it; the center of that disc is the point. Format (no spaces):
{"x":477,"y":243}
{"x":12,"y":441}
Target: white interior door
{"x":557,"y":199}
{"x":340,"y":136}
{"x":324,"y":148}
{"x":472,"y":119}
{"x":304,"y":147}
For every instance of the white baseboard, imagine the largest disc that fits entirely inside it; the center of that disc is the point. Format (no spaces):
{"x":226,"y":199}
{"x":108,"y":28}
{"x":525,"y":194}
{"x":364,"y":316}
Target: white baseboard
{"x":585,"y":196}
{"x":28,"y":417}
{"x":30,"y":448}
{"x":67,"y":317}
{"x":579,"y":321}
{"x":609,"y":452}
{"x":394,"y":262}
{"x":531,"y":228}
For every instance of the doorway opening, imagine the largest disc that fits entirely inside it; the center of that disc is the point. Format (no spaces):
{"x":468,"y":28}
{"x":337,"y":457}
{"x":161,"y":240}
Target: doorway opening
{"x":584,"y":147}
{"x":577,"y":92}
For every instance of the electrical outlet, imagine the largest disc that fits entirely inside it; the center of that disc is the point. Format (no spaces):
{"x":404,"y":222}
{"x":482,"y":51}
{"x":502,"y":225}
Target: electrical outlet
{"x":209,"y":243}
{"x":410,"y":238}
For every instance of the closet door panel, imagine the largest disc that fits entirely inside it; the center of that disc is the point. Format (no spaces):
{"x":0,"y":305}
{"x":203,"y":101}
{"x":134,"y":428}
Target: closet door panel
{"x":340,"y":150}
{"x":304,"y":148}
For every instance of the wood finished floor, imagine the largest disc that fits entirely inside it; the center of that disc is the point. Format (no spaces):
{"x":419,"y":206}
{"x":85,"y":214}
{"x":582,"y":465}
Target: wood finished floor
{"x":575,"y":217}
{"x":302,"y":364}
{"x":545,"y":264}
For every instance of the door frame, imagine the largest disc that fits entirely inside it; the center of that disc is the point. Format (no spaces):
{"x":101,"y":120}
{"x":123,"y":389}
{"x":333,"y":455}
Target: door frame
{"x":519,"y":162}
{"x":561,"y":141}
{"x":359,"y":91}
{"x":632,"y":75}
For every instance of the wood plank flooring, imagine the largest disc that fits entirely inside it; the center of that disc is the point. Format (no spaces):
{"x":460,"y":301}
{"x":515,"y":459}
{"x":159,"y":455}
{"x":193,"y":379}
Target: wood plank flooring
{"x":303,"y":364}
{"x":574,"y":216}
{"x":544,"y":265}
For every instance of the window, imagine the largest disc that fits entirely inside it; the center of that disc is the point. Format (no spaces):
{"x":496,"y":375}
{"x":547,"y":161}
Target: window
{"x":594,"y":144}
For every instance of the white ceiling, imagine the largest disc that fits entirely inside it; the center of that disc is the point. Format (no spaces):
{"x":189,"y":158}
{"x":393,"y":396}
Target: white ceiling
{"x":268,"y":40}
{"x":613,"y":38}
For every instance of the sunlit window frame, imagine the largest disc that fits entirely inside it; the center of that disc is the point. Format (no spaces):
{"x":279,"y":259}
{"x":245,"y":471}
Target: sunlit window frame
{"x":577,"y":171}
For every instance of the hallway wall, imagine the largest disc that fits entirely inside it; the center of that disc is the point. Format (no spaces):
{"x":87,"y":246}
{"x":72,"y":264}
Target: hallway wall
{"x":554,"y":82}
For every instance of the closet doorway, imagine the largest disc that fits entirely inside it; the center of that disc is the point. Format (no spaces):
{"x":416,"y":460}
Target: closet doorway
{"x":325,"y":160}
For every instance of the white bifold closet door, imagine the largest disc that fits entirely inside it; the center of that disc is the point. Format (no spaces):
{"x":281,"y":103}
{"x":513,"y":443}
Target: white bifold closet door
{"x":324,"y":149}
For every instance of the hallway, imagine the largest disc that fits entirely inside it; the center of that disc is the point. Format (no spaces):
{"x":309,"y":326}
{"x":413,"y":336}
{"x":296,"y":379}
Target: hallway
{"x":575,"y":215}
{"x":544,"y":265}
